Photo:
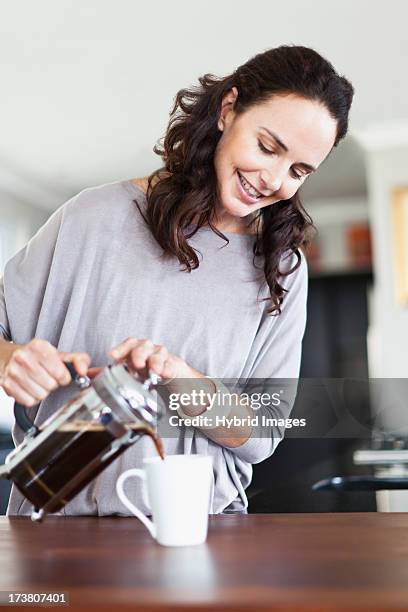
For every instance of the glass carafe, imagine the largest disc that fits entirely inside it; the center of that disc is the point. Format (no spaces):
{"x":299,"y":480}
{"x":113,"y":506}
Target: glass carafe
{"x":57,"y":459}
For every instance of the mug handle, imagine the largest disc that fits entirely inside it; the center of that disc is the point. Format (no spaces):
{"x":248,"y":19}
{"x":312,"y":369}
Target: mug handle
{"x":150,"y":526}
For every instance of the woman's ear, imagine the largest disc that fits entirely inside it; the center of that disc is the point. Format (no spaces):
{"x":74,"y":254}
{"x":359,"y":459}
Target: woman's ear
{"x":227,"y":107}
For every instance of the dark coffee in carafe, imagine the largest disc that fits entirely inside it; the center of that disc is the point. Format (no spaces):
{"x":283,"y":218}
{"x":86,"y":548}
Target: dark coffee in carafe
{"x":69,"y":459}
{"x":58,"y":458}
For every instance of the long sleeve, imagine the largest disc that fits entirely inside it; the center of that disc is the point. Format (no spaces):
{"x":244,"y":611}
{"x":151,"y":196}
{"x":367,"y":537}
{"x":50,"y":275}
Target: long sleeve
{"x":24,"y":282}
{"x":276,"y":356}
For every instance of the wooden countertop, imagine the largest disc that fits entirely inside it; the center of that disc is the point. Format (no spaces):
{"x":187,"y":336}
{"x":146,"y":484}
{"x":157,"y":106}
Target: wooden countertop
{"x":327,"y":562}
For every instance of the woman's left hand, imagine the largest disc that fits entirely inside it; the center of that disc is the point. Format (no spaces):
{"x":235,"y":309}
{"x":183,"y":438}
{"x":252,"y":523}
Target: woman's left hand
{"x":142,"y":355}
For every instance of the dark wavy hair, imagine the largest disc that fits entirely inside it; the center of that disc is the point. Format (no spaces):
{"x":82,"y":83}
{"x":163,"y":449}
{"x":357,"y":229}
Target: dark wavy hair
{"x":185,"y":188}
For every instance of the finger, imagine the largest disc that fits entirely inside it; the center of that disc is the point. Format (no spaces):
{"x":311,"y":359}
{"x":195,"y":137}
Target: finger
{"x":48,"y":357}
{"x":19,"y":376}
{"x":139,"y":355}
{"x":81,"y":364}
{"x":170,"y":369}
{"x":34,"y":370}
{"x":124,"y":348}
{"x":14,"y":390}
{"x":80,"y":361}
{"x":157,"y":359}
{"x":55,"y":368}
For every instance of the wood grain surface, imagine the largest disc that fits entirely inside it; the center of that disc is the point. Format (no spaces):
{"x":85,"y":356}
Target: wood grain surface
{"x":254,"y":562}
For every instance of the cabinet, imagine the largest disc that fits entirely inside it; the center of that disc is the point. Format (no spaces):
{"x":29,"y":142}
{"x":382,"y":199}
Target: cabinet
{"x":334,"y":346}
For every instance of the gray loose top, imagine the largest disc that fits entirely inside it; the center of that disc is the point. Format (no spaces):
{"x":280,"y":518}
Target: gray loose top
{"x":94,"y":275}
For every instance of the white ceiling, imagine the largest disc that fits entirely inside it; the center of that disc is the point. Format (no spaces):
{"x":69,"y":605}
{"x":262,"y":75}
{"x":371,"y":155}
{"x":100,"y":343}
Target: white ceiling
{"x":87,"y":85}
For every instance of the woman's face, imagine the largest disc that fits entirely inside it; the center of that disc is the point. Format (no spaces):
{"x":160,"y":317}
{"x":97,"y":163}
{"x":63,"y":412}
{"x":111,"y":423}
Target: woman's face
{"x":249,"y":154}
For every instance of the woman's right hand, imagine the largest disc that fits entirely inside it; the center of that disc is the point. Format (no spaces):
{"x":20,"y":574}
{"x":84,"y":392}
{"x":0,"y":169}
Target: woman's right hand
{"x":35,"y":369}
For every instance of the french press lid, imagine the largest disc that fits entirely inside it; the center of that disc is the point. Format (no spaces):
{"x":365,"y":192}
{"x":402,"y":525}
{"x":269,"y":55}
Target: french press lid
{"x":118,"y":389}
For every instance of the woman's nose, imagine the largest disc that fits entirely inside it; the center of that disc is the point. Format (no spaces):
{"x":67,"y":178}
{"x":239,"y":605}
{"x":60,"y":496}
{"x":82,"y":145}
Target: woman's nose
{"x":271,"y":181}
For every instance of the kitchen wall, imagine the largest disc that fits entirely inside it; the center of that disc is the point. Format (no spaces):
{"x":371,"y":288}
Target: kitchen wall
{"x":386,"y":154}
{"x":387,"y":167}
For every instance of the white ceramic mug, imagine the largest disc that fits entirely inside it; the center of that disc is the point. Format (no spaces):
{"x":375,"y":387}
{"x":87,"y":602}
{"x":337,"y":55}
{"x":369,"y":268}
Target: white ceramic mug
{"x":179,"y":491}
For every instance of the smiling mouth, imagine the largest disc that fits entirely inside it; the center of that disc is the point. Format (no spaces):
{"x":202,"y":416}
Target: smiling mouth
{"x":248,"y":188}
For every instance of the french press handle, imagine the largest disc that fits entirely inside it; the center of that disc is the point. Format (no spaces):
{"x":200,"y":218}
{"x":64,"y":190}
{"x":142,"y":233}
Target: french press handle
{"x":20,"y":411}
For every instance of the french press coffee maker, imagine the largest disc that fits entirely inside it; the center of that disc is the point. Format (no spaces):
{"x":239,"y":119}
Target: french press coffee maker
{"x":57,"y":459}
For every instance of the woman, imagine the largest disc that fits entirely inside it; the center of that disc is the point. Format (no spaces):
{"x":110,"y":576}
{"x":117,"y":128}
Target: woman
{"x":194,"y":272}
